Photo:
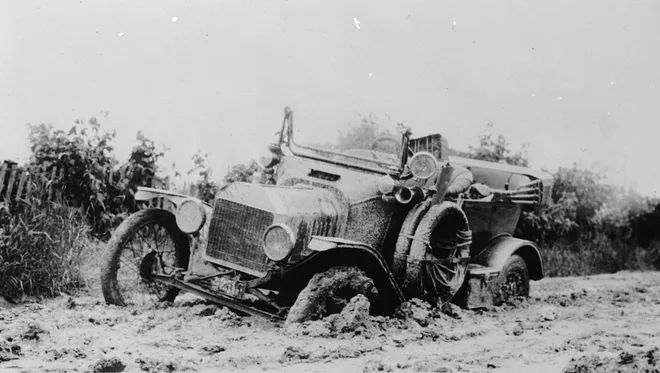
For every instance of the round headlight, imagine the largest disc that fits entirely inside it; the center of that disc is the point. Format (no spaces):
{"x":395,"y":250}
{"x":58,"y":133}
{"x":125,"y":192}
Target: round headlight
{"x":190,"y":215}
{"x":385,"y":184}
{"x":423,"y":165}
{"x":268,"y":159}
{"x":278,"y":242}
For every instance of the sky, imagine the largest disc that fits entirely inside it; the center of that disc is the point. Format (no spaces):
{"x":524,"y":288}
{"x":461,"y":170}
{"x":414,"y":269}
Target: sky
{"x":576,"y":80}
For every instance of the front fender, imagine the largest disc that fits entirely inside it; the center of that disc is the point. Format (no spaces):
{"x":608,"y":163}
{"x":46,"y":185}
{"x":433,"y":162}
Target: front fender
{"x":147,"y":194}
{"x":501,"y":248}
{"x":333,"y":251}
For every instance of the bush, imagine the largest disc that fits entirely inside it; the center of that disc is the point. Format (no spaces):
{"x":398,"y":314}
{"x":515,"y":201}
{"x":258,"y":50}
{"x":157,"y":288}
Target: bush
{"x":601,"y":255}
{"x":41,"y":247}
{"x":92,"y":178}
{"x":205,"y":187}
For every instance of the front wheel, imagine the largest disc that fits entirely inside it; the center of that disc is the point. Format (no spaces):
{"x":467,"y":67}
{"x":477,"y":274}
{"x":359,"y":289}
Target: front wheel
{"x":147,"y":242}
{"x":512,"y":282}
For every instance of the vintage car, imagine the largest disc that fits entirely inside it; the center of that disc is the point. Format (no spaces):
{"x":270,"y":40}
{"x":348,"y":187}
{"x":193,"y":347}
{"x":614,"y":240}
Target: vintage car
{"x":402,"y":214}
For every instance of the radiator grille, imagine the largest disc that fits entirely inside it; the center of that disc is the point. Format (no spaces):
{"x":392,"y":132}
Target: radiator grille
{"x":235,"y":234}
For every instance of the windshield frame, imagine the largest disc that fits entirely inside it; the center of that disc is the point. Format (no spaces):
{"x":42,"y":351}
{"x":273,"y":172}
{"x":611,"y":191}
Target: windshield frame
{"x":382,"y":167}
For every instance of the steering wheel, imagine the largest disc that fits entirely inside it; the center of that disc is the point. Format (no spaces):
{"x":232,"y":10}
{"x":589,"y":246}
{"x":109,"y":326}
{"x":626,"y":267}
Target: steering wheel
{"x":397,"y":144}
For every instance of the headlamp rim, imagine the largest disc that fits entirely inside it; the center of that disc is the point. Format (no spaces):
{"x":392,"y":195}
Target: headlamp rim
{"x":292,"y":240}
{"x":418,"y":156}
{"x":202,"y":213}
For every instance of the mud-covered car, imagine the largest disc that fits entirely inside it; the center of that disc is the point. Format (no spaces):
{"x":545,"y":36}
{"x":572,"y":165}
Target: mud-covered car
{"x":397,"y":219}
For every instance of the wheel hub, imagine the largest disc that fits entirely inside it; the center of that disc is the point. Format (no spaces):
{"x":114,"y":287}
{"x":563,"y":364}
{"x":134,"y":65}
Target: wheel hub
{"x":514,"y":285}
{"x":149,"y":266}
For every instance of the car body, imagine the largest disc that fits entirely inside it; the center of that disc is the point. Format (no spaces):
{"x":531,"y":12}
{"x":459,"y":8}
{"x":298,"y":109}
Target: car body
{"x":258,"y":244}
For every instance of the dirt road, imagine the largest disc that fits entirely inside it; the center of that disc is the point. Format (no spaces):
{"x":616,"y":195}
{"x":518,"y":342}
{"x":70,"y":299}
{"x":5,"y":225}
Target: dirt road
{"x":615,"y":318}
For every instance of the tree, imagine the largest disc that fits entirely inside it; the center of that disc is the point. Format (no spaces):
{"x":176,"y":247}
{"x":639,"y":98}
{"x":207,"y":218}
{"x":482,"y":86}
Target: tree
{"x":497,"y":149}
{"x":362,"y":135}
{"x":205,"y":186}
{"x":241,"y":172}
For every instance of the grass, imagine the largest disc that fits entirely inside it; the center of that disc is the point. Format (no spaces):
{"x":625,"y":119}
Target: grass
{"x":601,"y":255}
{"x":44,"y":249}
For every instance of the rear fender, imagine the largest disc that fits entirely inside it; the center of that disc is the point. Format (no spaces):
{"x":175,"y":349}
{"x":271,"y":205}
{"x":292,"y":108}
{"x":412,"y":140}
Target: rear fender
{"x":501,"y":248}
{"x":331,"y":252}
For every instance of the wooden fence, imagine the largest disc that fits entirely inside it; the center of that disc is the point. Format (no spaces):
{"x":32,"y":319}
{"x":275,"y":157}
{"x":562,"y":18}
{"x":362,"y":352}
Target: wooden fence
{"x":19,"y":183}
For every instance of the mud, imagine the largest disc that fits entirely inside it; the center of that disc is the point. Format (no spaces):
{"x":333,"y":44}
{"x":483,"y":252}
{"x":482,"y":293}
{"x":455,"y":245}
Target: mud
{"x":329,"y":292}
{"x":587,"y":324}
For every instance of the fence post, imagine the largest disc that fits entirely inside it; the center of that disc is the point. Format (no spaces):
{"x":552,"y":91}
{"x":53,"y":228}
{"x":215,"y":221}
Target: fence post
{"x":10,"y":184}
{"x":21,"y":184}
{"x":3,"y":170}
{"x":28,"y":190}
{"x":50,"y":184}
{"x":43,"y":181}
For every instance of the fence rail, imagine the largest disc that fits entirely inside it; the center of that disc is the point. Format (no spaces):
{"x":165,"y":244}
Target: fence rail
{"x":20,"y":183}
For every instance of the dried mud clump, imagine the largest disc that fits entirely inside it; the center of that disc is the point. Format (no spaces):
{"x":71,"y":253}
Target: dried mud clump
{"x":294,"y":354}
{"x":112,"y":364}
{"x":354,"y":318}
{"x":9,"y":351}
{"x":354,"y":315}
{"x":23,"y":330}
{"x":626,"y":362}
{"x":156,"y":366}
{"x":329,"y":292}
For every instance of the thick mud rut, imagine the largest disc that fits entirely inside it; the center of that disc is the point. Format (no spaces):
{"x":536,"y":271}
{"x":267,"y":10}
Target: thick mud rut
{"x":588,"y":324}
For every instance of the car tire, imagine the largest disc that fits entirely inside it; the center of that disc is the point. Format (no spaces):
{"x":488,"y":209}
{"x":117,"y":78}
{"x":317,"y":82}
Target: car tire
{"x":512,"y":281}
{"x":134,"y":265}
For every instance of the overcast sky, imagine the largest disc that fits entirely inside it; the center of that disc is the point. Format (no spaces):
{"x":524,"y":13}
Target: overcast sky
{"x":578,"y":80}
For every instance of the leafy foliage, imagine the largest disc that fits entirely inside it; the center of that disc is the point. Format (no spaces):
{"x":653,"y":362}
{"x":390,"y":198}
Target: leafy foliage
{"x":362,"y":135}
{"x":205,"y":186}
{"x":92,"y":178}
{"x":85,"y":156}
{"x":241,"y":172}
{"x":590,"y":226}
{"x":497,"y":149}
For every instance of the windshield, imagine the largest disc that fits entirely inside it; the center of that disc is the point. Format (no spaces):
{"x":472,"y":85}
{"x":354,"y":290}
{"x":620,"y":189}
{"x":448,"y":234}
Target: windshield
{"x":365,"y":142}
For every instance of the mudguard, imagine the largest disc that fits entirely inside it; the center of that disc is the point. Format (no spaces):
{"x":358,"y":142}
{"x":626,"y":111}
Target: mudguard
{"x":147,"y":194}
{"x":502,"y":247}
{"x":346,"y":252}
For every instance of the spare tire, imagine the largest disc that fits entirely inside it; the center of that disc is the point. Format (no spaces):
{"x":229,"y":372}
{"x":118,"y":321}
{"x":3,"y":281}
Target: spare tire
{"x":439,"y":254}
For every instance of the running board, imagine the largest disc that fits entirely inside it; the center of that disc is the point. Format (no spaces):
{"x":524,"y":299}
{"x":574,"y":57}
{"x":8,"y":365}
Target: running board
{"x":221,"y":299}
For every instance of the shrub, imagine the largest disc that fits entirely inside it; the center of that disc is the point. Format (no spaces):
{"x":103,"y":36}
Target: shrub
{"x":85,"y":155}
{"x":41,"y":247}
{"x":92,"y":178}
{"x":600,"y":255}
{"x":205,"y":187}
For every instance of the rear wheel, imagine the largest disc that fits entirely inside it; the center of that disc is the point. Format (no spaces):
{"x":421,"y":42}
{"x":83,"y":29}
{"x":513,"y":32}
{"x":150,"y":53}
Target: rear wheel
{"x":328,"y":292}
{"x":147,"y":242}
{"x":512,"y":282}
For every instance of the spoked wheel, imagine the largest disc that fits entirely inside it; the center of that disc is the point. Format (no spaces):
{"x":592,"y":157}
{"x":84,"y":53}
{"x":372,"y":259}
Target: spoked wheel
{"x":512,"y":282}
{"x":146,"y":243}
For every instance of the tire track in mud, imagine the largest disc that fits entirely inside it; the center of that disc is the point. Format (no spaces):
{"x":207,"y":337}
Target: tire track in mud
{"x":568,"y":323}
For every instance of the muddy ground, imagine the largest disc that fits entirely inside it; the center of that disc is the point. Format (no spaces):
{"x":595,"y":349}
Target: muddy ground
{"x":585,"y":324}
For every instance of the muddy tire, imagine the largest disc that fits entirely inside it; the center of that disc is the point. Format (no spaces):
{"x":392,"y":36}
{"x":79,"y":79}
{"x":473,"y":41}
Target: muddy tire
{"x":512,"y":282}
{"x":328,"y":292}
{"x":146,"y":242}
